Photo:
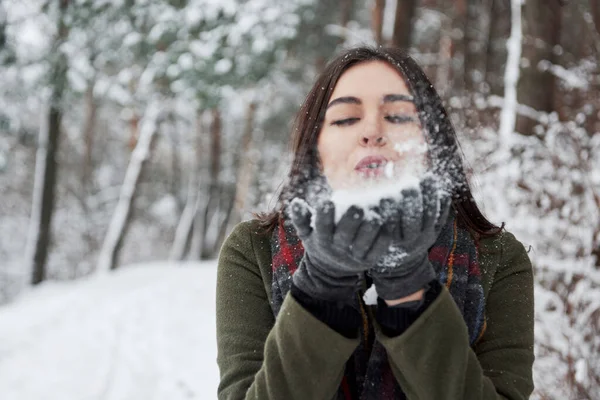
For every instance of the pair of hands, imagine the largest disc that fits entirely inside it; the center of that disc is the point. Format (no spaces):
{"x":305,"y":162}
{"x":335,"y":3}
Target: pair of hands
{"x":393,"y":247}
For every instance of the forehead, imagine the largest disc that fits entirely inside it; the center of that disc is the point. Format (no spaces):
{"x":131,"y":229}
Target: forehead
{"x":372,"y":79}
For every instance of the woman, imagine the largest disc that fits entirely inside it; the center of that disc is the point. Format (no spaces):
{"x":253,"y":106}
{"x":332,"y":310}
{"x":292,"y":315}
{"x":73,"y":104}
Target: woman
{"x":454,"y":313}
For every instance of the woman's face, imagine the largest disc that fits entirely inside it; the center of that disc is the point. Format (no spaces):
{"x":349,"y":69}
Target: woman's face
{"x":371,"y":129}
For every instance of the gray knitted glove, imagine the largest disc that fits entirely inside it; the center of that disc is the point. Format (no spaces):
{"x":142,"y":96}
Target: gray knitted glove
{"x":417,"y":218}
{"x":336,"y":256}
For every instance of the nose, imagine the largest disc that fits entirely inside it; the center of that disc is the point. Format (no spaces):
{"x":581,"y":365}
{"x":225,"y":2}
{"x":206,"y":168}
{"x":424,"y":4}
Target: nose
{"x":373,"y":136}
{"x":373,"y":141}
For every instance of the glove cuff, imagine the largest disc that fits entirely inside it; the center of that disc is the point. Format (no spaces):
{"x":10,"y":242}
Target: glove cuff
{"x":391,"y":285}
{"x":317,"y":284}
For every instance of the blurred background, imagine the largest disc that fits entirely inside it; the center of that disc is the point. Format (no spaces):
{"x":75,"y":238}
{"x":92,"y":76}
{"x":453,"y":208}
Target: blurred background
{"x":140,"y":132}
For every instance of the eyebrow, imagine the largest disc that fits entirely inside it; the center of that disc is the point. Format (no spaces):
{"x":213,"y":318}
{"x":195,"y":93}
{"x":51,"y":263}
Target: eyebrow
{"x":388,"y":98}
{"x":344,"y":100}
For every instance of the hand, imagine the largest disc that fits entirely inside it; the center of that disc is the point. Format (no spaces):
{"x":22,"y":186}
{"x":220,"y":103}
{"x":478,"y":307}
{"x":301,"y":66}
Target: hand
{"x":417,"y":219}
{"x":336,"y":256}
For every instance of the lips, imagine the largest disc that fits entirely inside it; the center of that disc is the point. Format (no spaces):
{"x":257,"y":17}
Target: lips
{"x":371,"y":166}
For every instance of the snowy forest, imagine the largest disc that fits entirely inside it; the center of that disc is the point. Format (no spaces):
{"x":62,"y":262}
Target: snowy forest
{"x":137,"y":132}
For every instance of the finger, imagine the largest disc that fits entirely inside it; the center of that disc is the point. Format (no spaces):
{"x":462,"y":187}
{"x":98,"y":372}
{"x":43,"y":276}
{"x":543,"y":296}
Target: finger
{"x":325,"y":222}
{"x":374,"y":214}
{"x":431,"y":203}
{"x":390,"y":212}
{"x":346,"y":229}
{"x":388,"y":208}
{"x":301,"y":217}
{"x":381,"y":246}
{"x":412,"y":212}
{"x":365,"y":237}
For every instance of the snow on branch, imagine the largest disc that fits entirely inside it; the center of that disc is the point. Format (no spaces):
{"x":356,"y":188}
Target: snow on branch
{"x":138,"y":156}
{"x":571,"y":79}
{"x":508,"y":117}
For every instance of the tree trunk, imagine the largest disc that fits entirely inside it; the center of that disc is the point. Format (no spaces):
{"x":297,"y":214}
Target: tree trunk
{"x":133,"y":130}
{"x":458,"y":15}
{"x":214,"y":191}
{"x":186,"y":222}
{"x":176,"y":167}
{"x":44,"y":193}
{"x":508,"y":115}
{"x":197,"y":233}
{"x":476,"y":35}
{"x":234,"y":212}
{"x":245,"y":169}
{"x":596,"y":236}
{"x":377,"y":20}
{"x":184,"y":233}
{"x":496,"y":48}
{"x":224,"y":223}
{"x":120,"y":221}
{"x":3,"y":26}
{"x":403,"y":23}
{"x":542,"y":27}
{"x":595,"y":11}
{"x":346,"y":10}
{"x":197,"y":241}
{"x":88,"y":134}
{"x":46,"y":163}
{"x":215,"y":147}
{"x":442,"y":79}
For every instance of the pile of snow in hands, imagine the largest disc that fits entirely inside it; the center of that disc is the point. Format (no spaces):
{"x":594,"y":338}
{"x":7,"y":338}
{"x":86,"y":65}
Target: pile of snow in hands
{"x":367,"y":194}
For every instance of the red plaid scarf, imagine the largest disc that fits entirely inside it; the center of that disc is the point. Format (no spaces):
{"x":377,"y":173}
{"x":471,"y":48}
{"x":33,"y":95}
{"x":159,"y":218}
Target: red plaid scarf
{"x":454,"y":257}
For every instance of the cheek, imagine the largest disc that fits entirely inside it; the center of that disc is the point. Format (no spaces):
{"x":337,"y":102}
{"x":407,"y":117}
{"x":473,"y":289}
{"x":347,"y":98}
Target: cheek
{"x":333,"y":150}
{"x":323,"y":150}
{"x":408,"y":140}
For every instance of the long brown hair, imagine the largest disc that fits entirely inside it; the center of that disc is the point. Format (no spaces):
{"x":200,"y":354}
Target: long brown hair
{"x":441,"y":136}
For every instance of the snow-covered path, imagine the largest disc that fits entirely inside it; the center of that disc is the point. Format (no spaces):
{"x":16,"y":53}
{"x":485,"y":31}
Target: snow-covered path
{"x":144,"y":332}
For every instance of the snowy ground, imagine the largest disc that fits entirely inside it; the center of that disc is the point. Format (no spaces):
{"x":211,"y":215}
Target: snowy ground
{"x":144,"y":332}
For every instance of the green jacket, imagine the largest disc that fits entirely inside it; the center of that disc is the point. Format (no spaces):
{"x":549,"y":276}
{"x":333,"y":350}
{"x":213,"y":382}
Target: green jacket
{"x":299,"y":357}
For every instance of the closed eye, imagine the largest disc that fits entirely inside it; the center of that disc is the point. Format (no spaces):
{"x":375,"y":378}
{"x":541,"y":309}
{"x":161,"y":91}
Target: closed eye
{"x":399,"y":119}
{"x":345,"y":121}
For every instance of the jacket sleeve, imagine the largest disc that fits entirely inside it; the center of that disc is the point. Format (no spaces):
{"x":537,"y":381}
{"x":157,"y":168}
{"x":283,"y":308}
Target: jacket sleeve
{"x":432,"y":359}
{"x":295,"y":357}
